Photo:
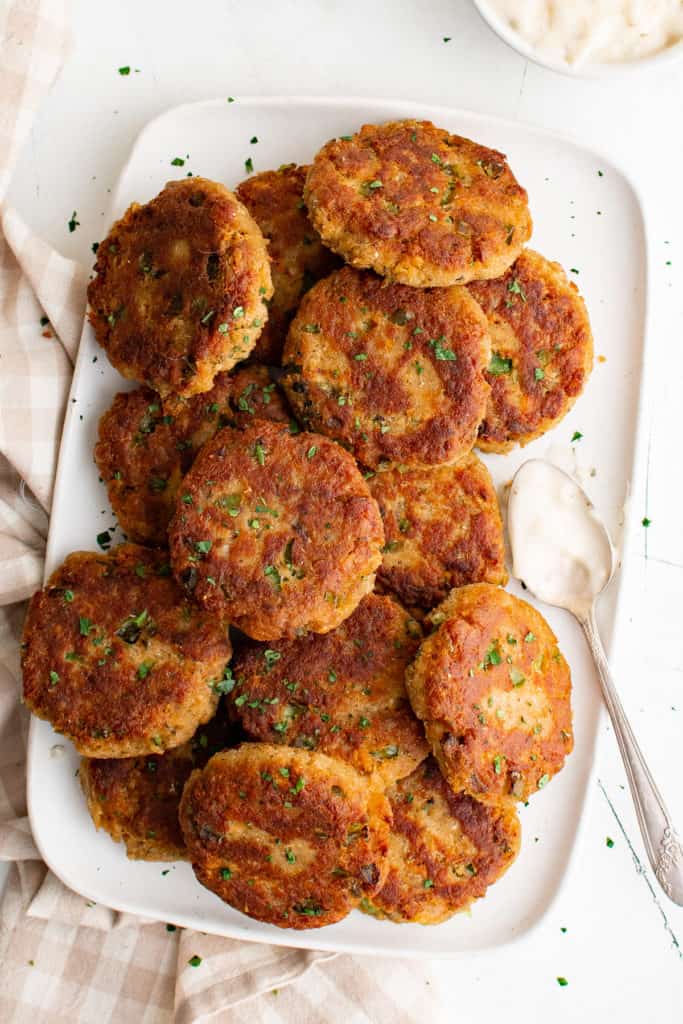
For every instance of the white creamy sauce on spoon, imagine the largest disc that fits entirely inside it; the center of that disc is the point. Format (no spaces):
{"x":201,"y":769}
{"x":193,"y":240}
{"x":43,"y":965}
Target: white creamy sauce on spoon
{"x":561,"y":550}
{"x":594,"y":31}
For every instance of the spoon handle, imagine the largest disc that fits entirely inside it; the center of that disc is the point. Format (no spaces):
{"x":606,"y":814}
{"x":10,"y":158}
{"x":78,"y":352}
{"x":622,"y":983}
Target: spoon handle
{"x":663,"y":846}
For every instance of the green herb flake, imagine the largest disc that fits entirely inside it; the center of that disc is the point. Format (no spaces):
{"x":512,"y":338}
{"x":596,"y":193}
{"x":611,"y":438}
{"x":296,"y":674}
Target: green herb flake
{"x":54,"y":678}
{"x":498,"y":365}
{"x":562,"y":982}
{"x":539,"y":374}
{"x":144,"y":669}
{"x":609,"y":843}
{"x":177,"y":161}
{"x":85,"y":625}
{"x":249,"y":165}
{"x":289,"y":856}
{"x":68,"y":596}
{"x":271,"y":657}
{"x":194,"y":961}
{"x":428,"y":884}
{"x":515,"y":288}
{"x":516,"y":677}
{"x":203,"y":546}
{"x":273,"y":575}
{"x":310,"y":454}
{"x":260,"y":453}
{"x":104,"y":540}
{"x":543,"y":781}
{"x":646,"y":522}
{"x":497,"y":764}
{"x":441,"y":353}
{"x":125,"y":70}
{"x":529,"y":638}
{"x":576,"y":436}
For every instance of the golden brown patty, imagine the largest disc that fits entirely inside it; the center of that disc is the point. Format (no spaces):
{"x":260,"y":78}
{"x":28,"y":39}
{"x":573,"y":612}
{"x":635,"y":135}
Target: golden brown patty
{"x":255,"y":394}
{"x":391,"y":372}
{"x":442,"y":529}
{"x":181,"y":288}
{"x":144,"y":449}
{"x":136,"y":799}
{"x":417,"y":204}
{"x":297,"y":256}
{"x":116,"y":657}
{"x":541,"y":350}
{"x":493,"y":692}
{"x":291,"y":837}
{"x":445,"y":849}
{"x":342,"y":693}
{"x":276,"y":531}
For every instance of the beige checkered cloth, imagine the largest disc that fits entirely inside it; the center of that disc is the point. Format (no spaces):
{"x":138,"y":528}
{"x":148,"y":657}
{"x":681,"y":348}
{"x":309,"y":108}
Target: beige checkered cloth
{"x":61,"y":959}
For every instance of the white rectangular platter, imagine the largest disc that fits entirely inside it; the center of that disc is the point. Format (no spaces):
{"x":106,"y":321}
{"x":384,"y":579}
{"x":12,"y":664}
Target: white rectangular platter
{"x":586,"y":216}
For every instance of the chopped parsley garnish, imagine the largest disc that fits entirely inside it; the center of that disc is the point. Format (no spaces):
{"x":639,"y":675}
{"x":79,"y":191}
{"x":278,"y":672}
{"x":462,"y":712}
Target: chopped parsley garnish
{"x":253,"y":140}
{"x":645,"y":521}
{"x":298,"y":785}
{"x":529,"y":638}
{"x":177,"y":161}
{"x":539,"y":374}
{"x":273,"y":575}
{"x":226,"y":874}
{"x":311,"y":452}
{"x":260,"y":453}
{"x":498,"y":365}
{"x":249,"y":165}
{"x":492,"y":656}
{"x":385,"y":753}
{"x":360,"y":357}
{"x":271,"y":657}
{"x":144,"y":669}
{"x":291,"y":859}
{"x":68,"y":596}
{"x":238,"y":312}
{"x":309,"y":908}
{"x":516,"y":677}
{"x":609,"y":843}
{"x":125,"y":70}
{"x":284,"y":772}
{"x":497,"y":764}
{"x":543,"y":781}
{"x":311,"y":328}
{"x":515,"y":288}
{"x":332,"y":676}
{"x":85,"y":625}
{"x":226,"y":684}
{"x":104,"y":539}
{"x":54,"y":678}
{"x":203,"y":546}
{"x":363,"y":722}
{"x":428,"y":884}
{"x":576,"y":436}
{"x":441,"y":353}
{"x":562,"y":982}
{"x":194,"y":961}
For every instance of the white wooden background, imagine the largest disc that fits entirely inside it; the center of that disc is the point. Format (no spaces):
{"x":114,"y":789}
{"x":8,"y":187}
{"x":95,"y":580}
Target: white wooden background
{"x":620,"y":952}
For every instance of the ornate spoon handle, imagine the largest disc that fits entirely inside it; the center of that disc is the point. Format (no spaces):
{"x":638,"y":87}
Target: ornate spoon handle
{"x":663,"y":846}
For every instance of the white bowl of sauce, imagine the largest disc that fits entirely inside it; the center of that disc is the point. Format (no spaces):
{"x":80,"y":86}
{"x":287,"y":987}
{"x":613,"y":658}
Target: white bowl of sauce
{"x":589,"y":38}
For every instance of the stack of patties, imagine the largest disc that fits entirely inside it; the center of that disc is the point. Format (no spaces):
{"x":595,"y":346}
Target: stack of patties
{"x":298,"y":460}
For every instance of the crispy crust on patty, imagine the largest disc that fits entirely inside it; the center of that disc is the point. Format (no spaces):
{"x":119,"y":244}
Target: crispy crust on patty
{"x":136,"y":799}
{"x":342,"y":693}
{"x":181,"y":288}
{"x":493,"y":692}
{"x":541,"y":350}
{"x":390,"y":372}
{"x":276,"y":531}
{"x":417,"y":204}
{"x":145,"y":448}
{"x":445,"y":849}
{"x":297,"y":256}
{"x":442,"y":529}
{"x":290,"y":837}
{"x":115,"y":656}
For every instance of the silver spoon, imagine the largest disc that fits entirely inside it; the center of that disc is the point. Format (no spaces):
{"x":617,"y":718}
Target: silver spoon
{"x":563,"y":553}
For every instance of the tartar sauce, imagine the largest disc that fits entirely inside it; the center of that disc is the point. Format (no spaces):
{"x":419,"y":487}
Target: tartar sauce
{"x":560,"y":549}
{"x":594,"y":31}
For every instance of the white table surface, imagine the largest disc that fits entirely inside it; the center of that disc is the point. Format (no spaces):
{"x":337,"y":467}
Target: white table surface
{"x":620,"y":952}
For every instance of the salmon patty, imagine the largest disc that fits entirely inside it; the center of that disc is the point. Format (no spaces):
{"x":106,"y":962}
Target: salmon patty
{"x":442,"y":529}
{"x":276,"y":532}
{"x":116,"y":657}
{"x":445,"y":850}
{"x":181,"y":288}
{"x":494,"y":694}
{"x":417,"y":204}
{"x":342,"y":693}
{"x":541,"y":350}
{"x":291,"y":837}
{"x":144,"y":450}
{"x":136,"y":799}
{"x":297,"y":256}
{"x":392,"y":373}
